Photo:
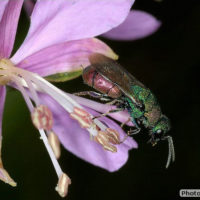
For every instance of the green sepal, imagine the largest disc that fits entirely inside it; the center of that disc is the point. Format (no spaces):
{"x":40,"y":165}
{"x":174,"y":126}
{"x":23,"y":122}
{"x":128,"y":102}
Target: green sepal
{"x":64,"y":76}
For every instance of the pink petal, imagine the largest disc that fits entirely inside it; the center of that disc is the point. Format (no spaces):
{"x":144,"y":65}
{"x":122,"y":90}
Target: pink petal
{"x":2,"y":101}
{"x":137,"y":25}
{"x":77,"y":140}
{"x":65,"y":57}
{"x":2,"y":7}
{"x":8,"y":26}
{"x":53,"y":22}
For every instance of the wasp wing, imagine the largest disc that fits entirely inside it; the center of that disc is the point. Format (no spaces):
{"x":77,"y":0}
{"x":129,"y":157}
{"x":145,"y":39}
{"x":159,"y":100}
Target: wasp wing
{"x":115,"y":73}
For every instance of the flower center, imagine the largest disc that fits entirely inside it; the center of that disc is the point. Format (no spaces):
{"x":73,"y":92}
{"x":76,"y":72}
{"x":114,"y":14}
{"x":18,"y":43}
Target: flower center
{"x":29,"y":84}
{"x":7,"y":70}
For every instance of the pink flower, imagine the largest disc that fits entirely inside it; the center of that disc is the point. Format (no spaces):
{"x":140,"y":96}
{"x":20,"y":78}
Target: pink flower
{"x":60,"y":39}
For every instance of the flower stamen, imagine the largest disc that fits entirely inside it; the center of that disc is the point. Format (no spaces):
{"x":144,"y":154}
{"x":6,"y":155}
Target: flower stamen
{"x":42,"y":118}
{"x":29,"y":84}
{"x":55,"y":143}
{"x":103,"y":139}
{"x":84,"y":118}
{"x":51,"y":153}
{"x":63,"y":184}
{"x":113,"y":136}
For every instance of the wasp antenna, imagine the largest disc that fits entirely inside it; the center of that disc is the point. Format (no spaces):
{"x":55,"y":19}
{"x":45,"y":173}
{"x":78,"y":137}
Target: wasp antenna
{"x":172,"y":148}
{"x":171,"y":154}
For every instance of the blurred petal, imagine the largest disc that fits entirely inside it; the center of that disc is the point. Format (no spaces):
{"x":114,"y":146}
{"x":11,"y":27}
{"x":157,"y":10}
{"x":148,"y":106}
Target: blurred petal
{"x":28,"y":6}
{"x":137,"y":25}
{"x":77,"y":140}
{"x":8,"y":26}
{"x":63,"y":20}
{"x":2,"y":7}
{"x":2,"y":101}
{"x":65,"y":57}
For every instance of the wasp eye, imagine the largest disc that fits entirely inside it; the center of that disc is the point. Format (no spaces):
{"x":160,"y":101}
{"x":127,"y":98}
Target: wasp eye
{"x":158,"y":131}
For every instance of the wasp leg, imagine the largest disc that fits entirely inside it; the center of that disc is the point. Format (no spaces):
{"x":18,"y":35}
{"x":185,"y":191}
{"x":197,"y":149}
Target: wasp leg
{"x":115,"y":101}
{"x":122,"y":125}
{"x":102,"y":97}
{"x":135,"y":131}
{"x":128,"y":120}
{"x":110,"y":111}
{"x":130,"y":132}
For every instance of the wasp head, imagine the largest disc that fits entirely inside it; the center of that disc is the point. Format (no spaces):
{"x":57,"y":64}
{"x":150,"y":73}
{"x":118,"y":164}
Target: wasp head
{"x":158,"y":132}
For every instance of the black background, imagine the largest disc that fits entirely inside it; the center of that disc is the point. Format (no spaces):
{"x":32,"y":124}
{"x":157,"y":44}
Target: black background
{"x":167,"y":62}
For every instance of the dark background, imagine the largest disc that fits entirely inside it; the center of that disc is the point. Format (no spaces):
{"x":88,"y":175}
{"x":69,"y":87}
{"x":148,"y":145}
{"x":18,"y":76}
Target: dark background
{"x":167,"y":62}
